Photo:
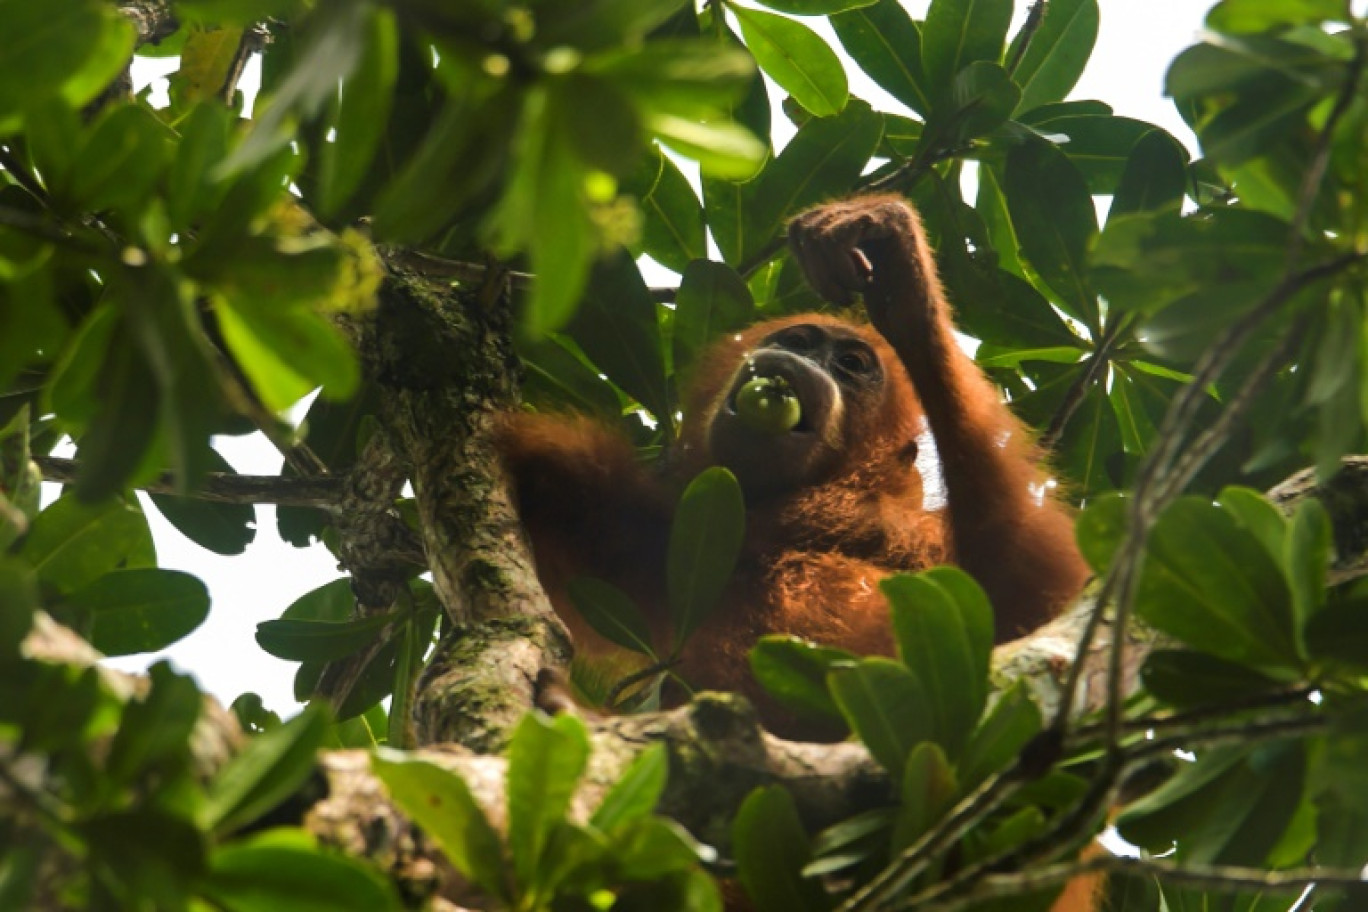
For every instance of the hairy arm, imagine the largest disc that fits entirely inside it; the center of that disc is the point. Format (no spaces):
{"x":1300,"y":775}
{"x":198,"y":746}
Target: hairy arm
{"x":1005,"y":527}
{"x":588,"y":504}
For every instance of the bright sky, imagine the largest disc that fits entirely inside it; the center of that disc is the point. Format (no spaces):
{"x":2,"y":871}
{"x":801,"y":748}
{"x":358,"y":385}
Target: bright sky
{"x":1138,"y":39}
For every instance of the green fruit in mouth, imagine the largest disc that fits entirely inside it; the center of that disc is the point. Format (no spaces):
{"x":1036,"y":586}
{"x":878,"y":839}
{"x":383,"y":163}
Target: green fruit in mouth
{"x":768,"y":405}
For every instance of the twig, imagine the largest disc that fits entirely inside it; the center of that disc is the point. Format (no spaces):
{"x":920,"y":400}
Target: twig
{"x":1186,"y":720}
{"x":434,"y":266}
{"x":988,"y":797}
{"x":220,"y":487}
{"x":1221,"y":878}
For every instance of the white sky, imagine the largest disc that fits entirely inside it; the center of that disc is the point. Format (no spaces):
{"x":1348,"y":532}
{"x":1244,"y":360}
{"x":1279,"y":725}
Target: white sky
{"x":1138,"y":39}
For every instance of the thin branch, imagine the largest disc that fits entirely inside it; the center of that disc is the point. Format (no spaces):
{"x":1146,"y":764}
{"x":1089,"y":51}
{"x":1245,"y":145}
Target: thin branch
{"x":1193,"y":717}
{"x":219,"y":487}
{"x":1219,"y":878}
{"x":437,"y":267}
{"x":988,"y":797}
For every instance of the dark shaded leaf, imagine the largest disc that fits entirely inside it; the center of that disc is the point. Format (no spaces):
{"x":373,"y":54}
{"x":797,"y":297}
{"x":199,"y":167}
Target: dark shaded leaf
{"x":271,"y":768}
{"x":771,"y":849}
{"x":794,"y":672}
{"x":142,"y":609}
{"x":611,"y":612}
{"x":887,"y":706}
{"x":712,"y":299}
{"x":285,"y":869}
{"x":705,"y":542}
{"x":545,"y":760}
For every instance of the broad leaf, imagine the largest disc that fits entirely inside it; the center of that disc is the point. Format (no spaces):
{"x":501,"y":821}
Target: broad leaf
{"x":1210,"y":583}
{"x":796,"y":58}
{"x":611,"y":612}
{"x":545,"y":760}
{"x":440,"y":802}
{"x":960,"y":32}
{"x":1057,"y":53}
{"x":771,"y":849}
{"x":269,"y":769}
{"x":887,"y":706}
{"x":285,"y":869}
{"x":944,"y":629}
{"x":705,"y":542}
{"x":794,"y":672}
{"x":141,"y":610}
{"x":712,"y":300}
{"x":885,"y":43}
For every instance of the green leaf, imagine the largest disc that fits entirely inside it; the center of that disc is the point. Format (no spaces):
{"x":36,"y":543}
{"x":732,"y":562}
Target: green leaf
{"x":981,"y":98}
{"x":771,"y":849}
{"x":944,"y":629}
{"x":1190,"y":679}
{"x":271,"y":768}
{"x":119,"y":164}
{"x":960,"y":32}
{"x":330,"y":50}
{"x":1340,"y":632}
{"x":885,"y":43}
{"x":601,"y":122}
{"x":440,"y":802}
{"x":721,"y":149}
{"x":1310,"y":546}
{"x":545,"y":760}
{"x":207,"y":58}
{"x":650,"y":848}
{"x":597,"y":23}
{"x":794,"y":672}
{"x":636,"y":792}
{"x":672,"y":232}
{"x":1229,"y":807}
{"x":928,"y":790}
{"x":192,"y":193}
{"x":18,"y":599}
{"x":558,"y":377}
{"x":705,"y":542}
{"x":1154,"y":178}
{"x":50,"y":49}
{"x":156,"y":854}
{"x":1240,"y":16}
{"x":71,"y":544}
{"x":823,"y":160}
{"x":142,"y":609}
{"x":1099,"y":147}
{"x":285,"y":869}
{"x":611,"y":612}
{"x":815,"y":7}
{"x":796,"y":58}
{"x":1258,"y":516}
{"x":1010,"y":724}
{"x":1148,"y":260}
{"x":1100,"y":529}
{"x":887,"y":706}
{"x":362,"y":112}
{"x":617,"y":328}
{"x":223,"y":528}
{"x":1252,"y":123}
{"x":1055,"y":222}
{"x":712,"y":300}
{"x":1209,"y":582}
{"x":155,"y":726}
{"x":1057,"y":52}
{"x":320,"y":641}
{"x":287,"y":352}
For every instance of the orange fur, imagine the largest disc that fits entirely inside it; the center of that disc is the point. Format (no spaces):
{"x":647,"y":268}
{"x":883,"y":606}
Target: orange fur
{"x":814,"y":554}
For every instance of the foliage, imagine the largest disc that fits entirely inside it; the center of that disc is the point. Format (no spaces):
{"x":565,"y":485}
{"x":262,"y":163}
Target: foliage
{"x":1168,"y":325}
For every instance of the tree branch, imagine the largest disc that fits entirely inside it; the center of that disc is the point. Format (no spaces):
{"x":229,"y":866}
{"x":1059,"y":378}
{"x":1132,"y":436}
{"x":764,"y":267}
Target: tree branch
{"x":220,"y":487}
